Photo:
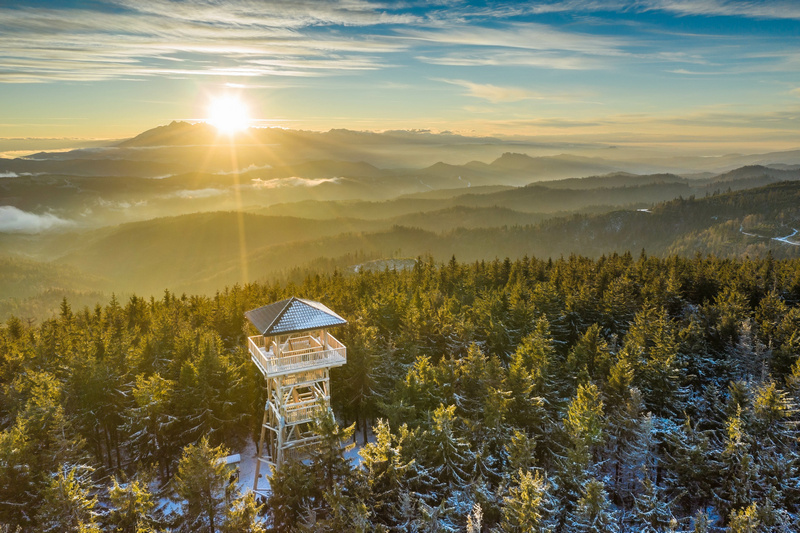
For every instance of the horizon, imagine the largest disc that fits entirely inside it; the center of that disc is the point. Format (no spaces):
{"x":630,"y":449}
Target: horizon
{"x":23,"y":147}
{"x":719,"y":74}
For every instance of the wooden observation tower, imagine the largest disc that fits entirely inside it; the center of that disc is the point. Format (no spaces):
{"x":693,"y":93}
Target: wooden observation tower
{"x":295,"y":353}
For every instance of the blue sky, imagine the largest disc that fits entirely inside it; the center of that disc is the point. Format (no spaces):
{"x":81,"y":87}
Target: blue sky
{"x":647,"y":71}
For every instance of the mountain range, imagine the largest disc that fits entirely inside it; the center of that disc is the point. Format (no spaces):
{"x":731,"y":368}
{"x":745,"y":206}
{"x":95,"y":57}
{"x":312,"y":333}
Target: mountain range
{"x":163,"y":211}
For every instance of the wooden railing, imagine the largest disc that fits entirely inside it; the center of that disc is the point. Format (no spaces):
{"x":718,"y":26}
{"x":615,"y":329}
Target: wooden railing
{"x":257,"y":352}
{"x":331,"y":353}
{"x":302,"y":414}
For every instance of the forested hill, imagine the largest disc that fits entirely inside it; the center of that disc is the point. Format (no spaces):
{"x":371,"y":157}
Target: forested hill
{"x":621,"y":393}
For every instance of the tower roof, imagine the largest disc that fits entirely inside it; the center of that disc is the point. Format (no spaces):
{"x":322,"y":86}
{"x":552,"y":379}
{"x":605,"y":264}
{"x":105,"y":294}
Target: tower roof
{"x":291,"y":316}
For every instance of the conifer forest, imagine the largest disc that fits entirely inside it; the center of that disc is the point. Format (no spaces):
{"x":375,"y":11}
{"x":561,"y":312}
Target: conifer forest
{"x":626,"y":393}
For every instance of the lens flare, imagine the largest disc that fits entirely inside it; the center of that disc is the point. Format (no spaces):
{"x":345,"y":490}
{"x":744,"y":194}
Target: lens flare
{"x":228,"y":114}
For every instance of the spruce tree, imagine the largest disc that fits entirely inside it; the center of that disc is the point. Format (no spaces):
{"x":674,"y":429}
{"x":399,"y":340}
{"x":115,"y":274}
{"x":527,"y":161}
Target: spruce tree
{"x":132,"y":507}
{"x":69,"y":506}
{"x":593,"y":512}
{"x":527,"y":506}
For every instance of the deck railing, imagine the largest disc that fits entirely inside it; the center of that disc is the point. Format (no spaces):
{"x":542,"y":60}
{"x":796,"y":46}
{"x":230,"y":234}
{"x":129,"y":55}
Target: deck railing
{"x":330,"y":353}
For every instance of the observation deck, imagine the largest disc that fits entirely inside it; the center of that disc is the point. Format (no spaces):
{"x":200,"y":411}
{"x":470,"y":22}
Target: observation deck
{"x":297,"y":354}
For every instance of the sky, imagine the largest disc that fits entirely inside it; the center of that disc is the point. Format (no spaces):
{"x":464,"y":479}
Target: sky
{"x":660,"y":72}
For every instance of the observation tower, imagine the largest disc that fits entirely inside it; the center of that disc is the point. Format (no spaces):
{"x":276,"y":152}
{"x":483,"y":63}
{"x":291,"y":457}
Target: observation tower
{"x":295,"y":353}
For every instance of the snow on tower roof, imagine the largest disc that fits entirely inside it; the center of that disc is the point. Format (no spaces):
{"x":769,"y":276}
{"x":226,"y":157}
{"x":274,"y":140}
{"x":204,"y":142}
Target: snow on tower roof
{"x":292,"y":316}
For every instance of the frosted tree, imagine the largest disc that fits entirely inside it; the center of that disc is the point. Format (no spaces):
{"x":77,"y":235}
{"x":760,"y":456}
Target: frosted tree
{"x":773,"y":427}
{"x":209,"y":499}
{"x":384,"y":470}
{"x":292,"y":493}
{"x":744,"y":520}
{"x":202,"y":488}
{"x":689,"y":465}
{"x":531,"y":385}
{"x":475,"y":519}
{"x":525,"y":410}
{"x":344,"y":512}
{"x":737,"y":468}
{"x":584,"y":425}
{"x":68,"y":505}
{"x":590,"y":357}
{"x":150,"y":422}
{"x":772,"y":411}
{"x":651,"y":348}
{"x":528,"y":506}
{"x":519,"y":451}
{"x":450,"y":456}
{"x":593,"y":512}
{"x":132,"y":507}
{"x":328,"y":459}
{"x":748,"y":357}
{"x":242,"y":516}
{"x":652,"y":511}
{"x":18,"y":479}
{"x":585,"y":422}
{"x":415,"y":396}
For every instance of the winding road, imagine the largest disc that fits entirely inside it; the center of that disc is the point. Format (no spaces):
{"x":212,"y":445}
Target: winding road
{"x":784,"y":240}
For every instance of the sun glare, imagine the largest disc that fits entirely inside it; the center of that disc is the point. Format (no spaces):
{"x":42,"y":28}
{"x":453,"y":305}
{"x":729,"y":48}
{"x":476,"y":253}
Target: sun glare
{"x":228,"y":114}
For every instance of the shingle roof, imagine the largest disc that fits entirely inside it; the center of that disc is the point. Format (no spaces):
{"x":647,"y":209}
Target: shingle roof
{"x":291,"y":316}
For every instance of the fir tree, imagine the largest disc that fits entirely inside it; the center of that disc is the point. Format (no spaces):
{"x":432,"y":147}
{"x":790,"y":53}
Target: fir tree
{"x":593,"y":512}
{"x":744,"y":520}
{"x":652,"y":513}
{"x":527,"y":506}
{"x":132,"y":507}
{"x":384,"y":470}
{"x":209,"y":499}
{"x":68,"y":506}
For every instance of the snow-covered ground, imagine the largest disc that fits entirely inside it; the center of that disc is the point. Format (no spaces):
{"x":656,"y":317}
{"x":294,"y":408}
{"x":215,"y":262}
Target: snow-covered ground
{"x":247,"y":466}
{"x":247,"y":469}
{"x":247,"y":472}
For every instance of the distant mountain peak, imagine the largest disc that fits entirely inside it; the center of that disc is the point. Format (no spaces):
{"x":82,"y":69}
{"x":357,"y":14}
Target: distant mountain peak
{"x":176,"y":133}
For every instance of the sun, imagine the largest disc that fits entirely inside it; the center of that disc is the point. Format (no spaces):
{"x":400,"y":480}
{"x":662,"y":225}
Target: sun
{"x":228,"y":114}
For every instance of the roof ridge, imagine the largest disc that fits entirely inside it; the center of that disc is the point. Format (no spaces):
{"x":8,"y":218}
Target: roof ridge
{"x":282,"y":312}
{"x":291,"y":313}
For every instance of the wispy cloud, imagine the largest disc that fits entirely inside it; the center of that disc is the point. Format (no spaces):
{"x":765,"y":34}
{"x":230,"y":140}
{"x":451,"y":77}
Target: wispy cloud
{"x":759,"y":9}
{"x":702,"y":119}
{"x":527,"y":58}
{"x":764,"y":9}
{"x":143,"y":38}
{"x":529,"y":36}
{"x":496,"y":94}
{"x":14,"y":220}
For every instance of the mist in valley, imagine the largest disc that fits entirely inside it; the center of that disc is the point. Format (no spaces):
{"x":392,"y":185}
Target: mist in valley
{"x":184,"y":208}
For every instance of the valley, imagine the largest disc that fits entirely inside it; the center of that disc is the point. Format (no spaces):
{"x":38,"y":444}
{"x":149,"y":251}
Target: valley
{"x":172,"y":209}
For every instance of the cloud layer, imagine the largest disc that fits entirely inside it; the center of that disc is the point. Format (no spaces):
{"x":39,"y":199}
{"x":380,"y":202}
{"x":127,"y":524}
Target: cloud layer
{"x":127,"y":39}
{"x":14,"y":220}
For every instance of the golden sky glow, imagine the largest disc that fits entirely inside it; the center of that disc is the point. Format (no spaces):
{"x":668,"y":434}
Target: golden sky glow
{"x":668,"y":71}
